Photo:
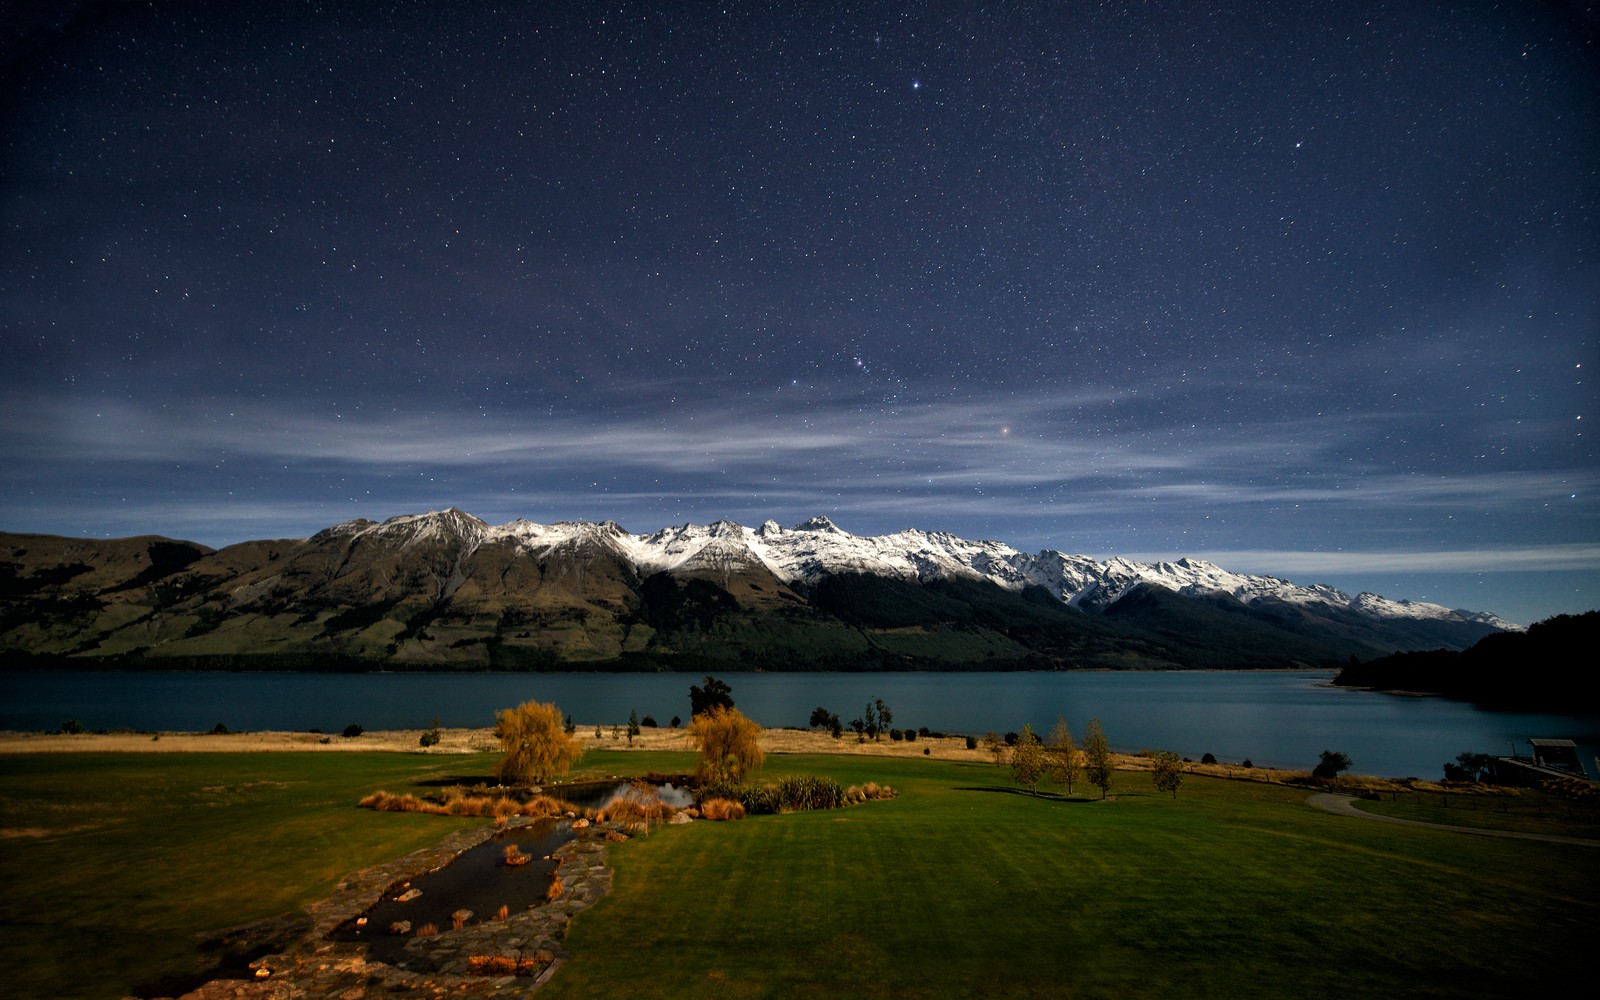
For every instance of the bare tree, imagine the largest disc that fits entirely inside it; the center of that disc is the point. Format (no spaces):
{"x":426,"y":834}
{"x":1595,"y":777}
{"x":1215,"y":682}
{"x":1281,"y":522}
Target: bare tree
{"x":995,"y":746}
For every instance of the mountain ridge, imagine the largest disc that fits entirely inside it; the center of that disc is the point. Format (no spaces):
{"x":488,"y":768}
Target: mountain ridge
{"x":447,"y":589}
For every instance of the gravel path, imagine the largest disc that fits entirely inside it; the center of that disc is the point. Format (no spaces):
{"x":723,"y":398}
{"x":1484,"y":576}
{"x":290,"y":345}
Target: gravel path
{"x":1344,"y":805}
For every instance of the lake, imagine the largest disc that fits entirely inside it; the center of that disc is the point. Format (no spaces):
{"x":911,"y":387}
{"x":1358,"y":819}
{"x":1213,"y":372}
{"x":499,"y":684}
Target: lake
{"x":1277,"y":719}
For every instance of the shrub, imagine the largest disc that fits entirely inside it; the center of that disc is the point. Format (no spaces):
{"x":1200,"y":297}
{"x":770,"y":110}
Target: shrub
{"x":972,"y":743}
{"x":896,"y":735}
{"x":638,"y":806}
{"x":649,"y":722}
{"x":869,"y":792}
{"x":428,"y":930}
{"x":911,"y":735}
{"x":219,"y":730}
{"x":721,"y":809}
{"x":556,"y":888}
{"x":1330,"y":764}
{"x":73,"y":727}
{"x":350,"y":732}
{"x":809,"y":792}
{"x":429,"y":738}
{"x":926,"y":751}
{"x":1246,"y":763}
{"x":1208,"y":759}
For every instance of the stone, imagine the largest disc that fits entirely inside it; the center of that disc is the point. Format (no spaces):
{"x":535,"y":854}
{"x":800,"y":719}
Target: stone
{"x":400,"y":927}
{"x":408,"y":895}
{"x":680,"y":818}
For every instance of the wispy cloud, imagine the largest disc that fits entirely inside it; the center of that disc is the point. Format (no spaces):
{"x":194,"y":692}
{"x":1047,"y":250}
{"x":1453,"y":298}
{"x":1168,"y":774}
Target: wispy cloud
{"x":1303,"y":565}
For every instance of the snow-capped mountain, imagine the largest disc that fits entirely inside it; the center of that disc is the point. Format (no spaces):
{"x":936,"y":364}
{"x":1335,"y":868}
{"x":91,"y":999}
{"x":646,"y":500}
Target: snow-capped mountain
{"x":818,"y":548}
{"x":446,"y":589}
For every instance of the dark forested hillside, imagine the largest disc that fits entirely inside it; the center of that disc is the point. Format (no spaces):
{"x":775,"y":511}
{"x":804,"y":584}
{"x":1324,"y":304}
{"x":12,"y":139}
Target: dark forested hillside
{"x":1552,"y":665}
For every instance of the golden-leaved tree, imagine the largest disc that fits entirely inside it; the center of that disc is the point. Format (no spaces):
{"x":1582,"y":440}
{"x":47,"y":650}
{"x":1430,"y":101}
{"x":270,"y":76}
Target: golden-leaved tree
{"x":536,"y":743}
{"x":1061,"y":755}
{"x":729,"y":745}
{"x":1028,"y":760}
{"x":1097,"y":763}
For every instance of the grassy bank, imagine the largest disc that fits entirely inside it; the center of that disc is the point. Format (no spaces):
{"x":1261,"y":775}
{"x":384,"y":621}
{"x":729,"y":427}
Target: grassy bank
{"x":959,"y":887}
{"x":114,"y":863}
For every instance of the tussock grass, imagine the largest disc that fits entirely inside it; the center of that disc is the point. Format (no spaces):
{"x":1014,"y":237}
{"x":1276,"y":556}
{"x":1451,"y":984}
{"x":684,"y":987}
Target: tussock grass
{"x":459,"y":803}
{"x":505,"y":965}
{"x":721,"y":809}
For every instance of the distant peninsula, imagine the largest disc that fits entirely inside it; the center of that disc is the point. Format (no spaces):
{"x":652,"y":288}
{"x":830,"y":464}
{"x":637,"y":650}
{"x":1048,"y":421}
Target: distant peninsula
{"x":1551,"y":666}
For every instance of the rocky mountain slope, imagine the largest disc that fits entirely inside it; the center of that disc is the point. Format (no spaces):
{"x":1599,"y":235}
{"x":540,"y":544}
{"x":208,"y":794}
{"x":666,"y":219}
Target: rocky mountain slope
{"x":447,"y":590}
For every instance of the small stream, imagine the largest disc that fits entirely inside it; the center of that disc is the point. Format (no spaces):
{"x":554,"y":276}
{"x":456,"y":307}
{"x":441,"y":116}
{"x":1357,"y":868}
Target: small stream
{"x":478,"y":880}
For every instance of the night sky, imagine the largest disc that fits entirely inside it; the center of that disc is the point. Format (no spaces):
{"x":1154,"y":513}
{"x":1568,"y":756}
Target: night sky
{"x":1310,"y":289}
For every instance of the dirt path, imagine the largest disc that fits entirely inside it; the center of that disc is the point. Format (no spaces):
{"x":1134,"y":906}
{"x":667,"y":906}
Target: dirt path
{"x":1344,"y":805}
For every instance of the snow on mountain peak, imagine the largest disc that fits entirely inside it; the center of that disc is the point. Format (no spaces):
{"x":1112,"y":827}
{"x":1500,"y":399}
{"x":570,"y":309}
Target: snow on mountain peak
{"x":818,"y":523}
{"x":817,"y":547}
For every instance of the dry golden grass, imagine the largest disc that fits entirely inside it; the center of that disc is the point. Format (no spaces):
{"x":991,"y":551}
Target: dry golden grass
{"x":721,"y":809}
{"x":458,"y":803}
{"x":456,"y":741}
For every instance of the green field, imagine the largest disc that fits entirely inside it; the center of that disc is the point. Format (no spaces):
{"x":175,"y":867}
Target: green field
{"x":959,"y":887}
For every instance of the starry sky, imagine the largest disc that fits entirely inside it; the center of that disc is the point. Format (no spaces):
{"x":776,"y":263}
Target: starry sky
{"x":1310,"y":289}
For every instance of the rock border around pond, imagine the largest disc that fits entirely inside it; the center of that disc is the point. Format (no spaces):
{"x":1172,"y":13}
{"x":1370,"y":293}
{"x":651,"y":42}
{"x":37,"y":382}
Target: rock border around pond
{"x":316,"y":967}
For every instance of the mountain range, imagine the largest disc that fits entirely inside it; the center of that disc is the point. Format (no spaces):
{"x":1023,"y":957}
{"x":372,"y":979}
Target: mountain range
{"x":445,"y":590}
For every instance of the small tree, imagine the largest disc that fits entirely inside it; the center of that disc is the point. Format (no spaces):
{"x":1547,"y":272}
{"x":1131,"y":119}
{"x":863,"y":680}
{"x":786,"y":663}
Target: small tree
{"x":715,"y":693}
{"x":1061,"y":755}
{"x":885,"y":717}
{"x":1028,"y":760}
{"x":819,"y":718}
{"x":1097,"y":766}
{"x":729,"y":745}
{"x":633,"y":725}
{"x":860,"y":728}
{"x":1168,"y":772}
{"x":536,"y":744}
{"x":995,"y":747}
{"x":871,"y":724}
{"x":1331,"y":764}
{"x":835,"y":727}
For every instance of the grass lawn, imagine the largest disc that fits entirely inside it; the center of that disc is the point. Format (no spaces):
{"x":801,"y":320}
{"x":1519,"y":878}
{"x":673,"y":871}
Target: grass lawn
{"x":113,"y":863}
{"x":960,"y":887}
